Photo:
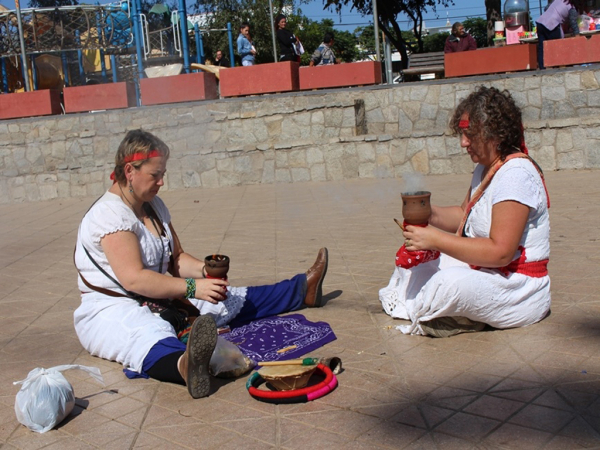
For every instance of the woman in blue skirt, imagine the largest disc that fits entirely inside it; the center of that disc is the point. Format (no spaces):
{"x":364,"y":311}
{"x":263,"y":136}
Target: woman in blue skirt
{"x":125,"y":247}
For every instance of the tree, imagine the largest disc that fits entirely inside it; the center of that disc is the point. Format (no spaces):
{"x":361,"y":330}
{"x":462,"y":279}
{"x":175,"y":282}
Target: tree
{"x":365,"y":38}
{"x":255,"y":12}
{"x":477,"y":27}
{"x":493,"y":10}
{"x":311,"y":36}
{"x":345,"y":46}
{"x":51,"y":3}
{"x":388,"y":12}
{"x":435,"y":42}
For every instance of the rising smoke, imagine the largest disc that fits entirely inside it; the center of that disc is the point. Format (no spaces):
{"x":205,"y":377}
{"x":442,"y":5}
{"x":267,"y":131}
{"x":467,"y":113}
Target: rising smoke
{"x":413,"y":182}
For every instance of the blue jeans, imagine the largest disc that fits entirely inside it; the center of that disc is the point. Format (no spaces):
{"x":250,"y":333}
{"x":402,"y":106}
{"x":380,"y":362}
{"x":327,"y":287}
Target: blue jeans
{"x":544,"y":34}
{"x":261,"y":301}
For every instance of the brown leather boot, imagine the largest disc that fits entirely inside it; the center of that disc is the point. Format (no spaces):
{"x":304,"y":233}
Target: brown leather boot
{"x":314,"y":280}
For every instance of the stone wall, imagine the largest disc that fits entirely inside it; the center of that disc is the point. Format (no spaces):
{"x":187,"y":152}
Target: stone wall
{"x":372,"y":132}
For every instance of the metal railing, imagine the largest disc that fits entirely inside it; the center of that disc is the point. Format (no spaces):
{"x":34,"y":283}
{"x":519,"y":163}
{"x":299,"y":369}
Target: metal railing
{"x":159,"y":43}
{"x":66,"y":28}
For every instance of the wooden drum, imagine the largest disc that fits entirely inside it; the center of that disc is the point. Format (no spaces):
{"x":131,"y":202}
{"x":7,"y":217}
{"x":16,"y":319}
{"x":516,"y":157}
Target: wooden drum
{"x":287,"y":377}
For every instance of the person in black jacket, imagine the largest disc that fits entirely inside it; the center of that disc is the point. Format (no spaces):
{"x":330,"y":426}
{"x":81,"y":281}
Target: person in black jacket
{"x":221,"y":60}
{"x":286,"y":40}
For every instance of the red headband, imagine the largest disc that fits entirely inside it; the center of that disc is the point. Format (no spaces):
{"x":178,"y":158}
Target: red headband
{"x":137,"y":157}
{"x":464,"y":124}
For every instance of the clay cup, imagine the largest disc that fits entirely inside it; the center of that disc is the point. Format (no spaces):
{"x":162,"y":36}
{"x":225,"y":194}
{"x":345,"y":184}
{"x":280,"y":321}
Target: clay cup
{"x":216,"y":266}
{"x":416,"y":207}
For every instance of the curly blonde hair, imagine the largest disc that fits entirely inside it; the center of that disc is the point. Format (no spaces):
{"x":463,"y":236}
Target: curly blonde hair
{"x":493,"y":116}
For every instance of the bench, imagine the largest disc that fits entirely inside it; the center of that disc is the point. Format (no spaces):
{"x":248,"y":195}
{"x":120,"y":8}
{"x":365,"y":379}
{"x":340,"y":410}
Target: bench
{"x":425,"y":66}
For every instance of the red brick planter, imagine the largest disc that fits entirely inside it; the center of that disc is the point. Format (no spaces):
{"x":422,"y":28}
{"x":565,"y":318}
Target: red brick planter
{"x":259,"y":79}
{"x":510,"y":58}
{"x":97,"y":97}
{"x":28,"y":104}
{"x":187,"y":87}
{"x":340,"y":75}
{"x":571,"y":51}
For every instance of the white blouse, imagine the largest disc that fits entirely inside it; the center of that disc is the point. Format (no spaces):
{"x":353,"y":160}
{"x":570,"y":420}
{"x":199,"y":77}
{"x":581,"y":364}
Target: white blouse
{"x":517,"y":180}
{"x":109,"y":215}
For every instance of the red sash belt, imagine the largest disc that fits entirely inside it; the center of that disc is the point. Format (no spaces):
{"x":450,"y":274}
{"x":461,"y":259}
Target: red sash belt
{"x":535,"y":269}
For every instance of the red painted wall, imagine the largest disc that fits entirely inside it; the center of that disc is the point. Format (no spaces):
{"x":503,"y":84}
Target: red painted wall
{"x":99,"y":97}
{"x":28,"y":104}
{"x":259,"y":79}
{"x":340,"y":75}
{"x":510,"y":58}
{"x":571,"y":51}
{"x":186,"y":87}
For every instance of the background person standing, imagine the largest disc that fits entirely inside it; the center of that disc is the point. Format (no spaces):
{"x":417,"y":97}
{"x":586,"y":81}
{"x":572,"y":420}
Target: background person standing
{"x":286,"y":39}
{"x":549,"y":24}
{"x":244,"y":45}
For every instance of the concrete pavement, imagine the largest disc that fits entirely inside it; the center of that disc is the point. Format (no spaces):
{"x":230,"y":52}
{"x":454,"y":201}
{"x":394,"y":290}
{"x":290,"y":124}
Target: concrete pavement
{"x":529,"y":388}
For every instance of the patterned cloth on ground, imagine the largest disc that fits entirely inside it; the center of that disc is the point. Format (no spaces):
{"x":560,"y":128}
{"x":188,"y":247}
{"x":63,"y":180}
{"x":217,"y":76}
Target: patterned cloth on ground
{"x":267,"y":339}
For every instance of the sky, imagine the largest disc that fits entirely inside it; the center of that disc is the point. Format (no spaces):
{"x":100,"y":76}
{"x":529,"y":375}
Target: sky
{"x":350,"y":20}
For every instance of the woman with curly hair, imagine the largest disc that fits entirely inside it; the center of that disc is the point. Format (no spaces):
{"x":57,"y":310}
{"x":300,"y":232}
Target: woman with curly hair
{"x":483,"y":262}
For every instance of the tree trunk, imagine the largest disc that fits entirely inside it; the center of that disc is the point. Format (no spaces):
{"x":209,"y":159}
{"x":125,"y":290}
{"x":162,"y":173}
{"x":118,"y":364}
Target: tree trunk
{"x":493,"y":9}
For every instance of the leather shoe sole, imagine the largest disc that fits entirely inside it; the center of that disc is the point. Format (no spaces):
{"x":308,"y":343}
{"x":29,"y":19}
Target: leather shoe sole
{"x":201,"y":344}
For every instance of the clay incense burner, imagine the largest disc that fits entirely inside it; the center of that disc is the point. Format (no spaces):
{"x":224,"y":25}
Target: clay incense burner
{"x":416,"y":207}
{"x":216,"y":266}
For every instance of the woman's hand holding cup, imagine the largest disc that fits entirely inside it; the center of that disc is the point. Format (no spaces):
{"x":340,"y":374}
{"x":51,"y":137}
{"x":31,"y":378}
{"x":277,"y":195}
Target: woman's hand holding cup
{"x":212,"y":290}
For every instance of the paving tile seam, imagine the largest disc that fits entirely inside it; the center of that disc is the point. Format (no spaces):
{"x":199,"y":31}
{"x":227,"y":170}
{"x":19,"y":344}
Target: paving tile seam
{"x":321,"y":428}
{"x":234,"y":435}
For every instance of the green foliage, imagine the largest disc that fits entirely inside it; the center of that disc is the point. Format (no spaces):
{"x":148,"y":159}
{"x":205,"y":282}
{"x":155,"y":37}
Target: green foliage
{"x":256,"y":13}
{"x":311,"y":36}
{"x":477,"y":27}
{"x":345,"y":46}
{"x":389,"y":12}
{"x":51,"y":3}
{"x":435,"y":42}
{"x":365,"y":38}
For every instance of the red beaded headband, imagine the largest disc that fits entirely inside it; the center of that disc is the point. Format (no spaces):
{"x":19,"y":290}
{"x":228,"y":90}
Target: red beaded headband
{"x":138,"y":157}
{"x":463,"y":124}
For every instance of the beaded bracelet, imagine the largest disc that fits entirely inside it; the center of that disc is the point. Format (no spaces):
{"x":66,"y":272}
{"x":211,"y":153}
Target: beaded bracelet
{"x":190,"y":291}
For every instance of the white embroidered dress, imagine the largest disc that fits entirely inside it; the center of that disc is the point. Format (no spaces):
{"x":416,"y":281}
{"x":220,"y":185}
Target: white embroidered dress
{"x":448,"y":287}
{"x":117,"y":328}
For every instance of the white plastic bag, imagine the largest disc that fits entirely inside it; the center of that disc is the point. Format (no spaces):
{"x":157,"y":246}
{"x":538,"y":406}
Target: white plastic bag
{"x":46,"y":397}
{"x":298,"y":48}
{"x":228,"y":361}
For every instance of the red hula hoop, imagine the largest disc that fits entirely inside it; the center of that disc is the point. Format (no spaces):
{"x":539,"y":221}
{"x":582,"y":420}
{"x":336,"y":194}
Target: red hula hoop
{"x":294,"y":395}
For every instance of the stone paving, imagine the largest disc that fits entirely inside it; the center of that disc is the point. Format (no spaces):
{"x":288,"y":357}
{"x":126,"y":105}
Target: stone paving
{"x":530,"y":388}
